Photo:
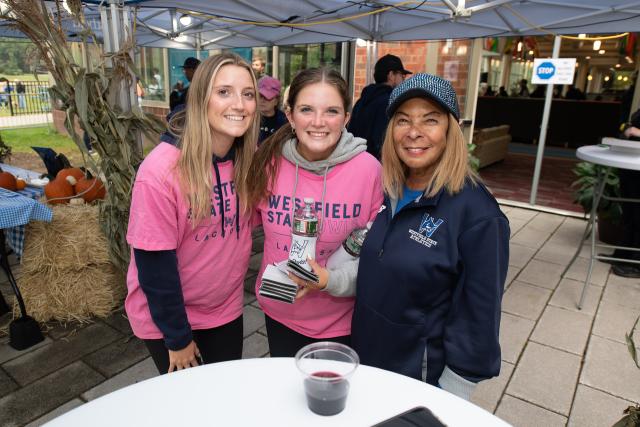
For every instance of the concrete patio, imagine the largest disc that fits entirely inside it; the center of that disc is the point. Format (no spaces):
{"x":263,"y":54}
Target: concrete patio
{"x":560,"y":365}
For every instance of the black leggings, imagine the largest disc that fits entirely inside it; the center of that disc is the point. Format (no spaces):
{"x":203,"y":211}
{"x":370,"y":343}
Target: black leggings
{"x":215,"y":345}
{"x":285,"y":342}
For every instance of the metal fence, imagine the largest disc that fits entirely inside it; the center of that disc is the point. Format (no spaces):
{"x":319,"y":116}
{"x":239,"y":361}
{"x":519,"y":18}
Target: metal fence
{"x":22,"y":98}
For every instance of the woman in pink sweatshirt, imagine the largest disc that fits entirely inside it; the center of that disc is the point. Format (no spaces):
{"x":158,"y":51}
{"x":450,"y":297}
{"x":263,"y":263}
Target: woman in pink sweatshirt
{"x":189,"y":224}
{"x":314,"y":156}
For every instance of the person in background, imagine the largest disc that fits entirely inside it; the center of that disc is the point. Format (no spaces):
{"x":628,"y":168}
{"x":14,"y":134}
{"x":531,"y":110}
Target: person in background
{"x":557,"y":92}
{"x":314,"y":156}
{"x":258,"y":65}
{"x":523,"y":88}
{"x":190,"y":224}
{"x":158,"y":80}
{"x":433,"y":266}
{"x":22,"y":98}
{"x":271,"y":116}
{"x":539,"y":92}
{"x":629,"y":188}
{"x":139,"y":91}
{"x":575,"y":94}
{"x":503,"y":92}
{"x":178,"y":97}
{"x":4,"y":99}
{"x":368,"y":119}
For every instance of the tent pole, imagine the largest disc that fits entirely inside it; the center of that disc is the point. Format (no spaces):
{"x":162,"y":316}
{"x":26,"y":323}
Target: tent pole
{"x":471,"y":100}
{"x":543,"y":129}
{"x":275,"y":61}
{"x":367,"y":79}
{"x":116,"y":27}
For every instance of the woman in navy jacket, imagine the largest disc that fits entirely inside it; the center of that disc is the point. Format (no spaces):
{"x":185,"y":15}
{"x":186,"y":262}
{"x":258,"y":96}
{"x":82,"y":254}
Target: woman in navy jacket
{"x":433,"y":266}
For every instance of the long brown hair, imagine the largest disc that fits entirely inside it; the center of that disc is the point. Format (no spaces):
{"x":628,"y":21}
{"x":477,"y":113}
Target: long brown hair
{"x":264,"y":167}
{"x":450,"y":173}
{"x":192,"y":126}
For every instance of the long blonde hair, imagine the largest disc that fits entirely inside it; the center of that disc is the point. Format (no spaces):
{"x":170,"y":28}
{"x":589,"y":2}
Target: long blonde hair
{"x":450,"y":173}
{"x":196,"y":154}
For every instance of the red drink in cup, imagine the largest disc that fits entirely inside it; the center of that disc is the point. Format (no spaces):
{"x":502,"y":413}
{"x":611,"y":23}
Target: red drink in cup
{"x":326,"y":367}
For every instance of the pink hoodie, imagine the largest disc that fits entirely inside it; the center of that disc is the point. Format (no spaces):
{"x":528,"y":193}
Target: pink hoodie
{"x":352,"y":198}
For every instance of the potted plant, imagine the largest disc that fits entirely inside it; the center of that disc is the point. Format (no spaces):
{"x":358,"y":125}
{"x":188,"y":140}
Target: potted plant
{"x":474,"y":162}
{"x":610,"y":229}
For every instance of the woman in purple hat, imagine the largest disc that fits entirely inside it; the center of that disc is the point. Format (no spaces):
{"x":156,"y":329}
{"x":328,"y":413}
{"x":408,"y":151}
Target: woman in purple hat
{"x":433,"y":266}
{"x":272,"y":118}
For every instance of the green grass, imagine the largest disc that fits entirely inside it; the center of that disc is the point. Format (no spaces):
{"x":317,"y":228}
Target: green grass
{"x":21,"y":140}
{"x":26,"y":77}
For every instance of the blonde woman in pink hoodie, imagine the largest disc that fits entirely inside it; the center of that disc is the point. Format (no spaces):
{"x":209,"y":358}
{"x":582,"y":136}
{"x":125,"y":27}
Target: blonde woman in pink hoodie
{"x":314,"y":156}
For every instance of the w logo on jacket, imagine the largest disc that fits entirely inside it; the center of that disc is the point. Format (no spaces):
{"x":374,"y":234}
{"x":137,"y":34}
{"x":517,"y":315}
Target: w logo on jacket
{"x":428,"y":226}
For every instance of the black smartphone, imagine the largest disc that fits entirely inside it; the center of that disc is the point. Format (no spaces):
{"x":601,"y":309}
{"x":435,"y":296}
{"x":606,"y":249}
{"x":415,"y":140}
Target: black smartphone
{"x":416,"y":417}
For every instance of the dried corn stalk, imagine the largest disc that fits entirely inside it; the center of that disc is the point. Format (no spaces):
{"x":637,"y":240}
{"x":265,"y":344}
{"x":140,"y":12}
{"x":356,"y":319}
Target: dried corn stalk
{"x":89,"y":99}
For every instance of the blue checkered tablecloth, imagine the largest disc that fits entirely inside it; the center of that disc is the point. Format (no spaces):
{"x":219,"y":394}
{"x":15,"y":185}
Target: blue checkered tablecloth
{"x":16,"y":210}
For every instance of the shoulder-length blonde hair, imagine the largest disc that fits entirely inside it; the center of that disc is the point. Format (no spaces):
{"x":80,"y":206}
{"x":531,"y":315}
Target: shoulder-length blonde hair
{"x":196,"y":154}
{"x":450,"y":173}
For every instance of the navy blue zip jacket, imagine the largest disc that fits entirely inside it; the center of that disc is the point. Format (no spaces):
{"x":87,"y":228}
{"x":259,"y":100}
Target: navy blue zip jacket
{"x":369,"y":116}
{"x":431,"y":280}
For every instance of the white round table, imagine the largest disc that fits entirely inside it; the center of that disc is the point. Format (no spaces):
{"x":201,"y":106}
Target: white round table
{"x":266,"y":392}
{"x":622,"y":154}
{"x":604,"y":155}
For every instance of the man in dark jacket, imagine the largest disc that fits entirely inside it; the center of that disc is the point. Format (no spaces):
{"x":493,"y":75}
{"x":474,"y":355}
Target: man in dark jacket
{"x":178,"y":97}
{"x":630,"y":210}
{"x":368,"y":118}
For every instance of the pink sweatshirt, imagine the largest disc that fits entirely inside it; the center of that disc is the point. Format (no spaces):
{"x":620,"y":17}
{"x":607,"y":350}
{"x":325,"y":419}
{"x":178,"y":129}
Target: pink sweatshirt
{"x":353,"y":196}
{"x":211,"y":267}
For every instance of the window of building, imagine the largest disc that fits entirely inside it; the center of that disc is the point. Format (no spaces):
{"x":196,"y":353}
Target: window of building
{"x":176,"y":59}
{"x":520,"y":70}
{"x":294,"y":58}
{"x":153,"y":75}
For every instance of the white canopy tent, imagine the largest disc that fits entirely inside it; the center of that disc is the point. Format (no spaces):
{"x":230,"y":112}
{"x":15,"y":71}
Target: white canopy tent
{"x":206,"y":24}
{"x":251,"y":23}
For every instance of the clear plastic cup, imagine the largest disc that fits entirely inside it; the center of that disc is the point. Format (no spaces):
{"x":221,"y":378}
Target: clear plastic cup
{"x":327,"y":367}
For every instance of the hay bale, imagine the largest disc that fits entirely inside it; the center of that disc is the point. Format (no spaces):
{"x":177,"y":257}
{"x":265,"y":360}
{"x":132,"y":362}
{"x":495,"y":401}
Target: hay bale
{"x":71,"y":241}
{"x":66,"y":273}
{"x":74,"y":295}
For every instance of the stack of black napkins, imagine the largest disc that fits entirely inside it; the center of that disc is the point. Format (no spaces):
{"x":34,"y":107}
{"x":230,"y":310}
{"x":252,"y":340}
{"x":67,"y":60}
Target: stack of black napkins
{"x":277,"y":285}
{"x":302,"y":272}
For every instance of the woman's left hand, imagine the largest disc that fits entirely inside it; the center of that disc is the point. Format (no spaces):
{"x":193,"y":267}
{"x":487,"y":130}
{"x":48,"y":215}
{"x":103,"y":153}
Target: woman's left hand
{"x":305,"y":286}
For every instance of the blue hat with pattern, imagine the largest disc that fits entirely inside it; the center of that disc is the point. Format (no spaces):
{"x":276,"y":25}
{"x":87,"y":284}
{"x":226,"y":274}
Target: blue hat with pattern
{"x":425,"y":86}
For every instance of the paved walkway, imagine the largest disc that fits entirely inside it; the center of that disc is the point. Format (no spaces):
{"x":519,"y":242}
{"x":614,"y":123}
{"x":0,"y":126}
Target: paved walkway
{"x":560,"y":366}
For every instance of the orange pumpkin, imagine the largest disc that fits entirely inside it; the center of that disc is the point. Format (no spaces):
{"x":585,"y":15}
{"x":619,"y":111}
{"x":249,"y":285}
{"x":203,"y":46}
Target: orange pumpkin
{"x":74,"y":172}
{"x":7,"y":181}
{"x":90,"y":189}
{"x":58,"y":191}
{"x":20,"y":184}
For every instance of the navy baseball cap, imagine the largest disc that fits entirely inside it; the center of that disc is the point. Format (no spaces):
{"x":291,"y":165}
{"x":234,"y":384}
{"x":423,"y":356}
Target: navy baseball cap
{"x":390,"y":63}
{"x":425,"y":86}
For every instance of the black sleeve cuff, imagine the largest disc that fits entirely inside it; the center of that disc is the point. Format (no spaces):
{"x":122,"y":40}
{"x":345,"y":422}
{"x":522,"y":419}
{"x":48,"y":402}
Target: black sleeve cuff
{"x":160,"y":281}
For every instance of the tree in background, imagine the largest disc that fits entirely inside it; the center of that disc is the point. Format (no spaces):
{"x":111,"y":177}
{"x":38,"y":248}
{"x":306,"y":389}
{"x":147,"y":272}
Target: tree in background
{"x":16,"y":56}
